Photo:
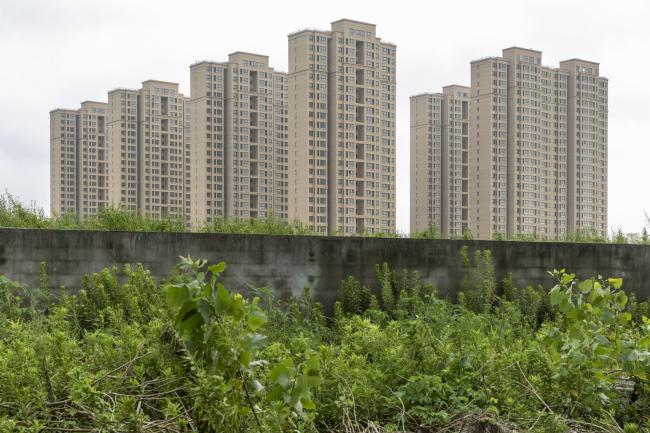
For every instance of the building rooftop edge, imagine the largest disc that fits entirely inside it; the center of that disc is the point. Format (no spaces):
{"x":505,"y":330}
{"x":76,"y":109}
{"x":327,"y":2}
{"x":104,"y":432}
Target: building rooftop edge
{"x":482,"y":59}
{"x":579,"y":60}
{"x":150,"y":80}
{"x":63,"y":109}
{"x":93,"y":102}
{"x":248,"y":54}
{"x":123,"y":89}
{"x":515,"y":47}
{"x":200,"y":62}
{"x":354,"y":21}
{"x":425,"y":94}
{"x":311,"y":30}
{"x":456,"y":85}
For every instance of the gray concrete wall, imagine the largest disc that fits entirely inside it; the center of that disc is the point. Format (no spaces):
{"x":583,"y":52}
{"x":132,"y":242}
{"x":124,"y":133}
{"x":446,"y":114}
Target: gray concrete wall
{"x":289,"y":263}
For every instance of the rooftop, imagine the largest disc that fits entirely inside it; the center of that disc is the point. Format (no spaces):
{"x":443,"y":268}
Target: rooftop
{"x":122,"y":89}
{"x":94,"y":102}
{"x":159,"y":82}
{"x":353,"y":21}
{"x":425,"y":94}
{"x":579,"y":60}
{"x":449,"y":86}
{"x":245,"y":53}
{"x":522,"y":48}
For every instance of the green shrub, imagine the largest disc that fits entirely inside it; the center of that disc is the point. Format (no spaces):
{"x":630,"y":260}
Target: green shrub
{"x":127,"y":354}
{"x":478,"y":288}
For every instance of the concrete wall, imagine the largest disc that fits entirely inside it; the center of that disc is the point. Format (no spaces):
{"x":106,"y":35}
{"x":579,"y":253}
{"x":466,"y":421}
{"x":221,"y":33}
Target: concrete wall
{"x":289,"y":263}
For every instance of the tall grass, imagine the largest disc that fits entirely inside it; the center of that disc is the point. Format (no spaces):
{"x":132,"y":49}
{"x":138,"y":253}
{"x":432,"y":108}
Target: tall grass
{"x":270,"y":226}
{"x":14,"y":213}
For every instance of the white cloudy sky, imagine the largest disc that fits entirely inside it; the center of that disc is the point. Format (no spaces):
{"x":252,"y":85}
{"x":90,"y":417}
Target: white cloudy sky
{"x":57,"y":53}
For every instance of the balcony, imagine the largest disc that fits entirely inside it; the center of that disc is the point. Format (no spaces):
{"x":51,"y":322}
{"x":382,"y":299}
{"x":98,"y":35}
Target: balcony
{"x":361,"y":188}
{"x":360,"y":152}
{"x":253,"y":81}
{"x":360,"y":96}
{"x":361,"y":52}
{"x":360,"y":114}
{"x":360,"y":77}
{"x":360,"y":135}
{"x":164,"y":106}
{"x":361,"y":172}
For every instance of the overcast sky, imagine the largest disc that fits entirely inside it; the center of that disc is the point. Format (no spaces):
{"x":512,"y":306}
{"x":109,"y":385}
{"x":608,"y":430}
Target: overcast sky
{"x":57,"y":53}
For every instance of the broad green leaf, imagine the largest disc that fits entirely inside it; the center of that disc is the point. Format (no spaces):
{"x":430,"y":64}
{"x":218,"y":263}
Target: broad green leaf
{"x":624,"y":318}
{"x":620,"y":299}
{"x":245,"y":358}
{"x":567,"y":278}
{"x":191,"y":325}
{"x":617,"y":283}
{"x":188,"y":308}
{"x":575,"y":313}
{"x":308,"y":404}
{"x":217,"y":269}
{"x":205,"y":310}
{"x":256,"y":319}
{"x":557,"y":295}
{"x":223,"y":299}
{"x":177,"y":295}
{"x":585,"y":286}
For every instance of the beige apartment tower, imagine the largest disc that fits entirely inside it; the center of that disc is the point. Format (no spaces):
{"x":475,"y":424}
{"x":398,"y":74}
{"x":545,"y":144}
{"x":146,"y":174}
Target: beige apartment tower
{"x":63,"y":161}
{"x":538,"y":142}
{"x":239,"y":134}
{"x":123,"y":139}
{"x":161,"y":151}
{"x":79,"y":159}
{"x":439,"y":161}
{"x":149,"y":149}
{"x":342,"y":129}
{"x":131,"y":152}
{"x":587,"y":146}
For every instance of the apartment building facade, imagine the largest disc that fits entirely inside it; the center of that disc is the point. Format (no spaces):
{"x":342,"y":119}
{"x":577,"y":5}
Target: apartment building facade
{"x":546,"y":140}
{"x":587,"y":146}
{"x":439,"y":161}
{"x":79,"y":159}
{"x":63,"y":161}
{"x":123,"y":148}
{"x":239,"y":137}
{"x":131,"y":152}
{"x":534,"y":161}
{"x":342,"y":129}
{"x":161,"y":150}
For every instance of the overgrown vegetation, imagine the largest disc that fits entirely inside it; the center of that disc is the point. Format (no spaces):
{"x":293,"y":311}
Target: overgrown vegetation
{"x":127,"y":354}
{"x":13,"y":213}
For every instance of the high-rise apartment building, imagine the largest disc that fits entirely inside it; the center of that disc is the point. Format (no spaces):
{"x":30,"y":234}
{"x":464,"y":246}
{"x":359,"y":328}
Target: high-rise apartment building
{"x":587,"y":146}
{"x":527,"y":123}
{"x":534,"y":161}
{"x":123,"y":147}
{"x":131,"y":152}
{"x":440,"y":161}
{"x":161,"y":150}
{"x":92,"y":158}
{"x":79,"y":159}
{"x":63,"y":161}
{"x":342,"y":129}
{"x":239,"y":139}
